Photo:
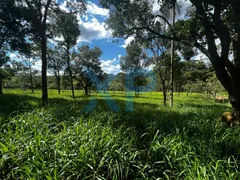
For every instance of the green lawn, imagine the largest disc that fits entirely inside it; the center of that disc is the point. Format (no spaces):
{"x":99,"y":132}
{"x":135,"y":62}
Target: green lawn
{"x":75,"y":139}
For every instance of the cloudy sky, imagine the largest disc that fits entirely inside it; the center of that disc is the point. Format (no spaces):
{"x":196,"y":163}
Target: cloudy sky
{"x":94,"y":33}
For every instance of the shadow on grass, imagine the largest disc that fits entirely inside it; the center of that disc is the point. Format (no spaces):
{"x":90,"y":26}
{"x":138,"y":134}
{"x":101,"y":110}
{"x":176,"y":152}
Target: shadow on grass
{"x":12,"y":104}
{"x":199,"y":125}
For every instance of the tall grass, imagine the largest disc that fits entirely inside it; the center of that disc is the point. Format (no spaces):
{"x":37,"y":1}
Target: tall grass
{"x":151,"y":142}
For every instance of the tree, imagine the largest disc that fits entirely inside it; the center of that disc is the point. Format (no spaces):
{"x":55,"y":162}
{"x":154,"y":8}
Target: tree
{"x":119,"y":82}
{"x":87,"y":67}
{"x":65,"y":82}
{"x":67,"y":27}
{"x":212,"y":85}
{"x":218,"y":20}
{"x":12,"y":32}
{"x":27,"y":61}
{"x":133,"y":64}
{"x":104,"y":82}
{"x":167,"y":6}
{"x":36,"y":13}
{"x":56,"y":61}
{"x":161,"y":64}
{"x":194,"y":75}
{"x":4,"y":59}
{"x":2,"y":76}
{"x":208,"y":20}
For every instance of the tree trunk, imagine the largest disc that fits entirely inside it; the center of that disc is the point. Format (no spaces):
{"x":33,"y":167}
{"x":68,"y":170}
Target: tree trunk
{"x":135,"y":89}
{"x":58,"y":85}
{"x":44,"y":67}
{"x":31,"y":77}
{"x":234,"y":97}
{"x":86,"y":90}
{"x":164,"y":94}
{"x":58,"y":82}
{"x":138,"y":91}
{"x":236,"y":114}
{"x":1,"y":85}
{"x":31,"y":80}
{"x":70,"y":72}
{"x":172,"y":59}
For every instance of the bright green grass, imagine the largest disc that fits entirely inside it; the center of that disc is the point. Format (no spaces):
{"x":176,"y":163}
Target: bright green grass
{"x":63,"y":142}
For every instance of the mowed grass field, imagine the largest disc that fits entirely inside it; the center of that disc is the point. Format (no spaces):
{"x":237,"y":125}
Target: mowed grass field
{"x":128,"y":138}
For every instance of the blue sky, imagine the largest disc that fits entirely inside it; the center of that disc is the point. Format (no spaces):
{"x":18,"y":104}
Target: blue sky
{"x":94,"y":33}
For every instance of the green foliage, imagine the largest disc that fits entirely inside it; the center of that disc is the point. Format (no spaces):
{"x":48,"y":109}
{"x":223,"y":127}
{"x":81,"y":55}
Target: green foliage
{"x":13,"y":31}
{"x":65,"y":25}
{"x":56,"y":60}
{"x":87,"y":68}
{"x":65,"y":82}
{"x":118,"y":83}
{"x":61,"y":142}
{"x":134,"y":60}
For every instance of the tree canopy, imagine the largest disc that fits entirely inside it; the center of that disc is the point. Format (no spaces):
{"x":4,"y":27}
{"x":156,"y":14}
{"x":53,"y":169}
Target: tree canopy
{"x":207,"y":21}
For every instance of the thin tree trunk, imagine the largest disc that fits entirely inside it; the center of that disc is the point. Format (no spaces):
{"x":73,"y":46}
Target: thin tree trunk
{"x":31,"y":80}
{"x":44,"y":67}
{"x":58,"y":85}
{"x":70,"y":72}
{"x":135,"y":89}
{"x":172,"y":59}
{"x":1,"y":85}
{"x":57,"y":76}
{"x":138,"y":91}
{"x":31,"y":77}
{"x":86,"y":90}
{"x":164,"y":94}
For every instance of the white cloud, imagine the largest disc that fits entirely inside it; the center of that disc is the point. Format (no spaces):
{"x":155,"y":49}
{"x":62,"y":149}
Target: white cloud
{"x":93,"y":30}
{"x":85,"y":17}
{"x":63,"y":6}
{"x":38,"y":65}
{"x":200,"y":56}
{"x":94,"y":9}
{"x":183,"y":6}
{"x":13,"y":56}
{"x":119,"y":56}
{"x":150,"y":68}
{"x":128,"y":41}
{"x":203,"y":57}
{"x":181,"y":9}
{"x":110,"y":67}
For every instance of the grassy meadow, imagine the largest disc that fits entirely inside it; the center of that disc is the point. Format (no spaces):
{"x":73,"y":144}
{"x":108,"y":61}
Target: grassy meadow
{"x":137,"y":138}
